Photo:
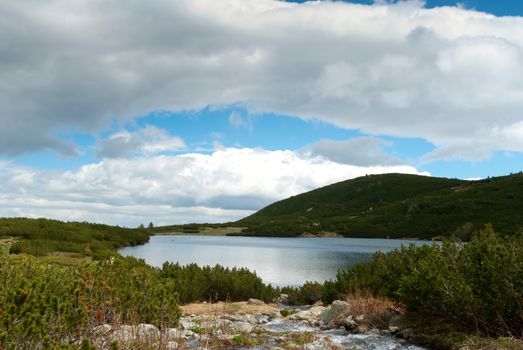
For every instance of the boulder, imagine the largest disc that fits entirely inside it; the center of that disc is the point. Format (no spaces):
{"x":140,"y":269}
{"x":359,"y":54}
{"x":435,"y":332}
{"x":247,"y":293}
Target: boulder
{"x":225,"y":337}
{"x":148,"y":332}
{"x":349,"y":323}
{"x":241,"y":326}
{"x":187,"y":324}
{"x":261,"y":319}
{"x":124,"y":334}
{"x":102,"y":330}
{"x":213,"y":324}
{"x":171,"y":345}
{"x":172,"y":334}
{"x":312,"y":315}
{"x":337,"y":310}
{"x":255,"y":302}
{"x":187,"y":334}
{"x":284,"y":298}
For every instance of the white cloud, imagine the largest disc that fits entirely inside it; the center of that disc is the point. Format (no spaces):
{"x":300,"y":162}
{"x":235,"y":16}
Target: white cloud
{"x":226,"y":185}
{"x":147,"y":141}
{"x":449,"y":75}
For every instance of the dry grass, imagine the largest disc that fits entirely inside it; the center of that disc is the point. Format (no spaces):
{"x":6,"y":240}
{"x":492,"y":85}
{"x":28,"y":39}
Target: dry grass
{"x":368,"y":304}
{"x":476,"y":343}
{"x":222,"y":308}
{"x":378,"y":310}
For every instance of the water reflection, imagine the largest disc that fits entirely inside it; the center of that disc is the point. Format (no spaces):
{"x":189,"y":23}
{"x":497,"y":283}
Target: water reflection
{"x":279,"y":261}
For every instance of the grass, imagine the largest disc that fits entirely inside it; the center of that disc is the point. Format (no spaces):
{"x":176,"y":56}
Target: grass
{"x":195,"y":230}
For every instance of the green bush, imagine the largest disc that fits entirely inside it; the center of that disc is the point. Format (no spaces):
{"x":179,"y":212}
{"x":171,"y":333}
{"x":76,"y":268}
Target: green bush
{"x":43,"y":305}
{"x":474,"y":287}
{"x":194,"y":283}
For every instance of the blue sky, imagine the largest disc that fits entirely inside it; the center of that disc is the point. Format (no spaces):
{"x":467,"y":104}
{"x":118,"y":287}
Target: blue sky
{"x":218,"y":108}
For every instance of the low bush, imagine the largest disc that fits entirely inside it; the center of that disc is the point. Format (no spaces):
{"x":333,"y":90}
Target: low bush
{"x":43,"y":305}
{"x":475,"y":287}
{"x":194,"y":283}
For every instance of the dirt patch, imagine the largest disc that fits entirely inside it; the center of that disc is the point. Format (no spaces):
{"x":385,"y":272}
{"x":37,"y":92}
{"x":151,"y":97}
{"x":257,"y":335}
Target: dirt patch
{"x":221,"y":308}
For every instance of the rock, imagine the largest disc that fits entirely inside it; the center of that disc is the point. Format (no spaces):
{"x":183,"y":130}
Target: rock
{"x":243,"y":318}
{"x":311,"y":315}
{"x":335,"y":311}
{"x":103,"y":329}
{"x":171,"y":345}
{"x":186,"y":324}
{"x":394,"y":329}
{"x":241,"y":326}
{"x":349,"y":323}
{"x":225,"y":337}
{"x":405,"y":334}
{"x":284,"y":298}
{"x":187,"y":334}
{"x":124,"y":334}
{"x":172,"y":333}
{"x":360,"y":318}
{"x":261,"y":319}
{"x":148,"y":332}
{"x":362,"y":328}
{"x":219,"y":323}
{"x":255,"y":302}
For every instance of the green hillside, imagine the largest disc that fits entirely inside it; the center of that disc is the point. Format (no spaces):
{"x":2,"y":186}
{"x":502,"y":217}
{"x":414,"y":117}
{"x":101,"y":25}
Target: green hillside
{"x":395,"y":205}
{"x":41,"y":237}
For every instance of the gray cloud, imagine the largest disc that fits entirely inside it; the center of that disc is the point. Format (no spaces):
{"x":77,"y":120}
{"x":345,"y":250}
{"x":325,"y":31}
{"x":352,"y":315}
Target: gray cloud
{"x":360,"y":151}
{"x":147,"y":141}
{"x":448,"y":75}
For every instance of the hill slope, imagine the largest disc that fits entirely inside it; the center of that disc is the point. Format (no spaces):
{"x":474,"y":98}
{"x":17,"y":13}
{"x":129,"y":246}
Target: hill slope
{"x":395,"y":205}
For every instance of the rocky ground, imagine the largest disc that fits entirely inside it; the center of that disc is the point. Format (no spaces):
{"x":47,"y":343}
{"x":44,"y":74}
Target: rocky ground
{"x":256,"y":325}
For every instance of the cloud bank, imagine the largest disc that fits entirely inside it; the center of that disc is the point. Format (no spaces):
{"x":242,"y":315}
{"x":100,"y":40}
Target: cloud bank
{"x":225,"y":185}
{"x":449,"y":75}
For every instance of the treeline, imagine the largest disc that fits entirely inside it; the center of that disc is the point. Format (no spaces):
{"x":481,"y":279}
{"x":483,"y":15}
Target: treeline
{"x":40,"y":237}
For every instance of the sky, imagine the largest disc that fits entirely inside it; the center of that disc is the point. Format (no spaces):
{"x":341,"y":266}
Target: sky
{"x":177,"y":111}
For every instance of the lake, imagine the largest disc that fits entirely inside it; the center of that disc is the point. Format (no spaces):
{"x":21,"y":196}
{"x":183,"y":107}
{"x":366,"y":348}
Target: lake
{"x":279,"y":261}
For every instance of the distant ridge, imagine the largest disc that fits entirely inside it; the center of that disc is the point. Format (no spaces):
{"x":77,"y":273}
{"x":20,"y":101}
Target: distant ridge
{"x":395,"y":206}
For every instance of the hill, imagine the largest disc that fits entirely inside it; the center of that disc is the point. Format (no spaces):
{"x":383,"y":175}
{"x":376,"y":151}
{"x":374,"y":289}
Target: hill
{"x":41,"y":237}
{"x":395,"y":206}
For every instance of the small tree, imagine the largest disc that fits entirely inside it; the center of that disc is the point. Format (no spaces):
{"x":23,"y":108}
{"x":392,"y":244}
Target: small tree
{"x":151,"y":225}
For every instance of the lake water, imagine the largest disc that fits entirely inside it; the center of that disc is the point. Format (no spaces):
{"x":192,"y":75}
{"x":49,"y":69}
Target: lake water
{"x":279,"y":261}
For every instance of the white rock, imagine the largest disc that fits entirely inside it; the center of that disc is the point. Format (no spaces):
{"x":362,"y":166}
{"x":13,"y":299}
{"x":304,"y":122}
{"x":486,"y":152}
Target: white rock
{"x":186,"y":324}
{"x":148,"y":332}
{"x":255,"y":302}
{"x":240,"y":326}
{"x":225,"y":337}
{"x":312,"y":314}
{"x":219,"y":323}
{"x":187,"y":334}
{"x":172,"y":333}
{"x":172,"y":345}
{"x":336,"y":310}
{"x":103,"y":329}
{"x":124,"y":334}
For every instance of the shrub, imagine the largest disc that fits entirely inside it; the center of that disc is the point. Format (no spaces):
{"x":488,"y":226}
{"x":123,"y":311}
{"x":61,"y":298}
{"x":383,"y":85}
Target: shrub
{"x":45,"y":305}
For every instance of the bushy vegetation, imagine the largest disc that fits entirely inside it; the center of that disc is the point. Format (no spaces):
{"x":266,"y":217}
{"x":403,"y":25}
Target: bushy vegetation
{"x":396,"y":205}
{"x":45,"y":304}
{"x":476,"y":288}
{"x":194,"y":283}
{"x":41,"y":237}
